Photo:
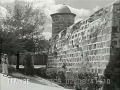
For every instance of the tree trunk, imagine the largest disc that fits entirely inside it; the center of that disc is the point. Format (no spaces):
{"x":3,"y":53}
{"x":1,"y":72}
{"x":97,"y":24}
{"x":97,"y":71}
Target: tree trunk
{"x":18,"y":59}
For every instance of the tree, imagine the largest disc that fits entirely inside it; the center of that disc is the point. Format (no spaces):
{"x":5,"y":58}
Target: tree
{"x":23,"y":26}
{"x":42,"y":45}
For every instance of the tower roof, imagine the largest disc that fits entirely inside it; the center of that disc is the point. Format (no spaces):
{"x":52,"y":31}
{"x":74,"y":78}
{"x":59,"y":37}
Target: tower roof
{"x":64,"y":9}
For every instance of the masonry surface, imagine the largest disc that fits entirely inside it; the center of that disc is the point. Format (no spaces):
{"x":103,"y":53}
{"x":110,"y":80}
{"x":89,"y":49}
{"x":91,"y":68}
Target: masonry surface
{"x":93,"y":42}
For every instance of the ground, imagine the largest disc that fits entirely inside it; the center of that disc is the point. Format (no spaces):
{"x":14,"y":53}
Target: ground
{"x":12,"y":83}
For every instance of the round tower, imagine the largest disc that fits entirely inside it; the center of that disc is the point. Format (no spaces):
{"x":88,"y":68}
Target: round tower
{"x":62,"y":19}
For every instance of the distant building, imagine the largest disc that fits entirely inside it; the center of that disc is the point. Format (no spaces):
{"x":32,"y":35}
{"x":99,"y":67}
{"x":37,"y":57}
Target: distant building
{"x":93,"y":42}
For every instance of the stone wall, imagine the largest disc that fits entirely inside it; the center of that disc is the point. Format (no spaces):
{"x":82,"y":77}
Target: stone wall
{"x":88,"y":44}
{"x":112,"y":70}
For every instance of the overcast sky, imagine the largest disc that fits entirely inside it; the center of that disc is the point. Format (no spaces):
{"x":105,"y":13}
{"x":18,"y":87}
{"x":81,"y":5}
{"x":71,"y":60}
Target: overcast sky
{"x":82,"y":8}
{"x":87,"y":4}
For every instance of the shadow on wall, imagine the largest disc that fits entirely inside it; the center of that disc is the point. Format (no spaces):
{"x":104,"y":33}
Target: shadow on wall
{"x":112,"y":71}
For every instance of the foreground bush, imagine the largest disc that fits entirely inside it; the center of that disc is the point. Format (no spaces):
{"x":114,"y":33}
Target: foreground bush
{"x":28,"y":64}
{"x":41,"y":72}
{"x":87,"y":81}
{"x":52,"y":73}
{"x":57,"y":75}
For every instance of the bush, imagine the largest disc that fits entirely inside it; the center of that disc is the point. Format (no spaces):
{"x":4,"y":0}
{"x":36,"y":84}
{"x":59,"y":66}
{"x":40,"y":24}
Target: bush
{"x":52,"y":73}
{"x":41,"y":72}
{"x":56,"y":74}
{"x":61,"y":77}
{"x":11,"y":69}
{"x":28,"y":64}
{"x":87,"y":80}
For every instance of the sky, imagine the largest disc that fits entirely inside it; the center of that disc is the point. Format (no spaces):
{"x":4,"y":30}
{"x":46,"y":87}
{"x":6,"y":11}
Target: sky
{"x":86,"y":4}
{"x":82,"y":8}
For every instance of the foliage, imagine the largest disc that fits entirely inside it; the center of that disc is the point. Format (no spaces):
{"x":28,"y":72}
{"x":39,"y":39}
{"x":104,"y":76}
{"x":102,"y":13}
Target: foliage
{"x":52,"y":73}
{"x":21,"y":28}
{"x":42,"y":45}
{"x":41,"y":72}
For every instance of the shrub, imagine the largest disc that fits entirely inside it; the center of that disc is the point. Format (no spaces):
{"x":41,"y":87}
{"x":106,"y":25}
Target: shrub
{"x":56,"y":74}
{"x":61,"y":76}
{"x":51,"y":73}
{"x":41,"y":72}
{"x":11,"y":69}
{"x":28,"y":64}
{"x":90,"y":81}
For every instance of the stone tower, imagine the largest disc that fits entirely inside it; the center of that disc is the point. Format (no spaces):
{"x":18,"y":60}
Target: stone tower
{"x":62,"y":19}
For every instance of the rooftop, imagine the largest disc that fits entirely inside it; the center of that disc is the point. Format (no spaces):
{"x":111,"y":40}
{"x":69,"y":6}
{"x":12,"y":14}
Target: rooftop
{"x":63,"y":9}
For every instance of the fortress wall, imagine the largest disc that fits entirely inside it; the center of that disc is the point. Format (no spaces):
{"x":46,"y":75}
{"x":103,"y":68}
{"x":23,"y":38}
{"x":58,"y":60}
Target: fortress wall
{"x":92,"y":43}
{"x":113,"y":67}
{"x":87,"y":44}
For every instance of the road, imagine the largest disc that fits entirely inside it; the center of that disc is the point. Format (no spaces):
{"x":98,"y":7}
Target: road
{"x":10,"y":83}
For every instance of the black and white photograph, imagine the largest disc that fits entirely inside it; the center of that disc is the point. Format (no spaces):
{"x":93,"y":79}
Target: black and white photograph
{"x":59,"y":44}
